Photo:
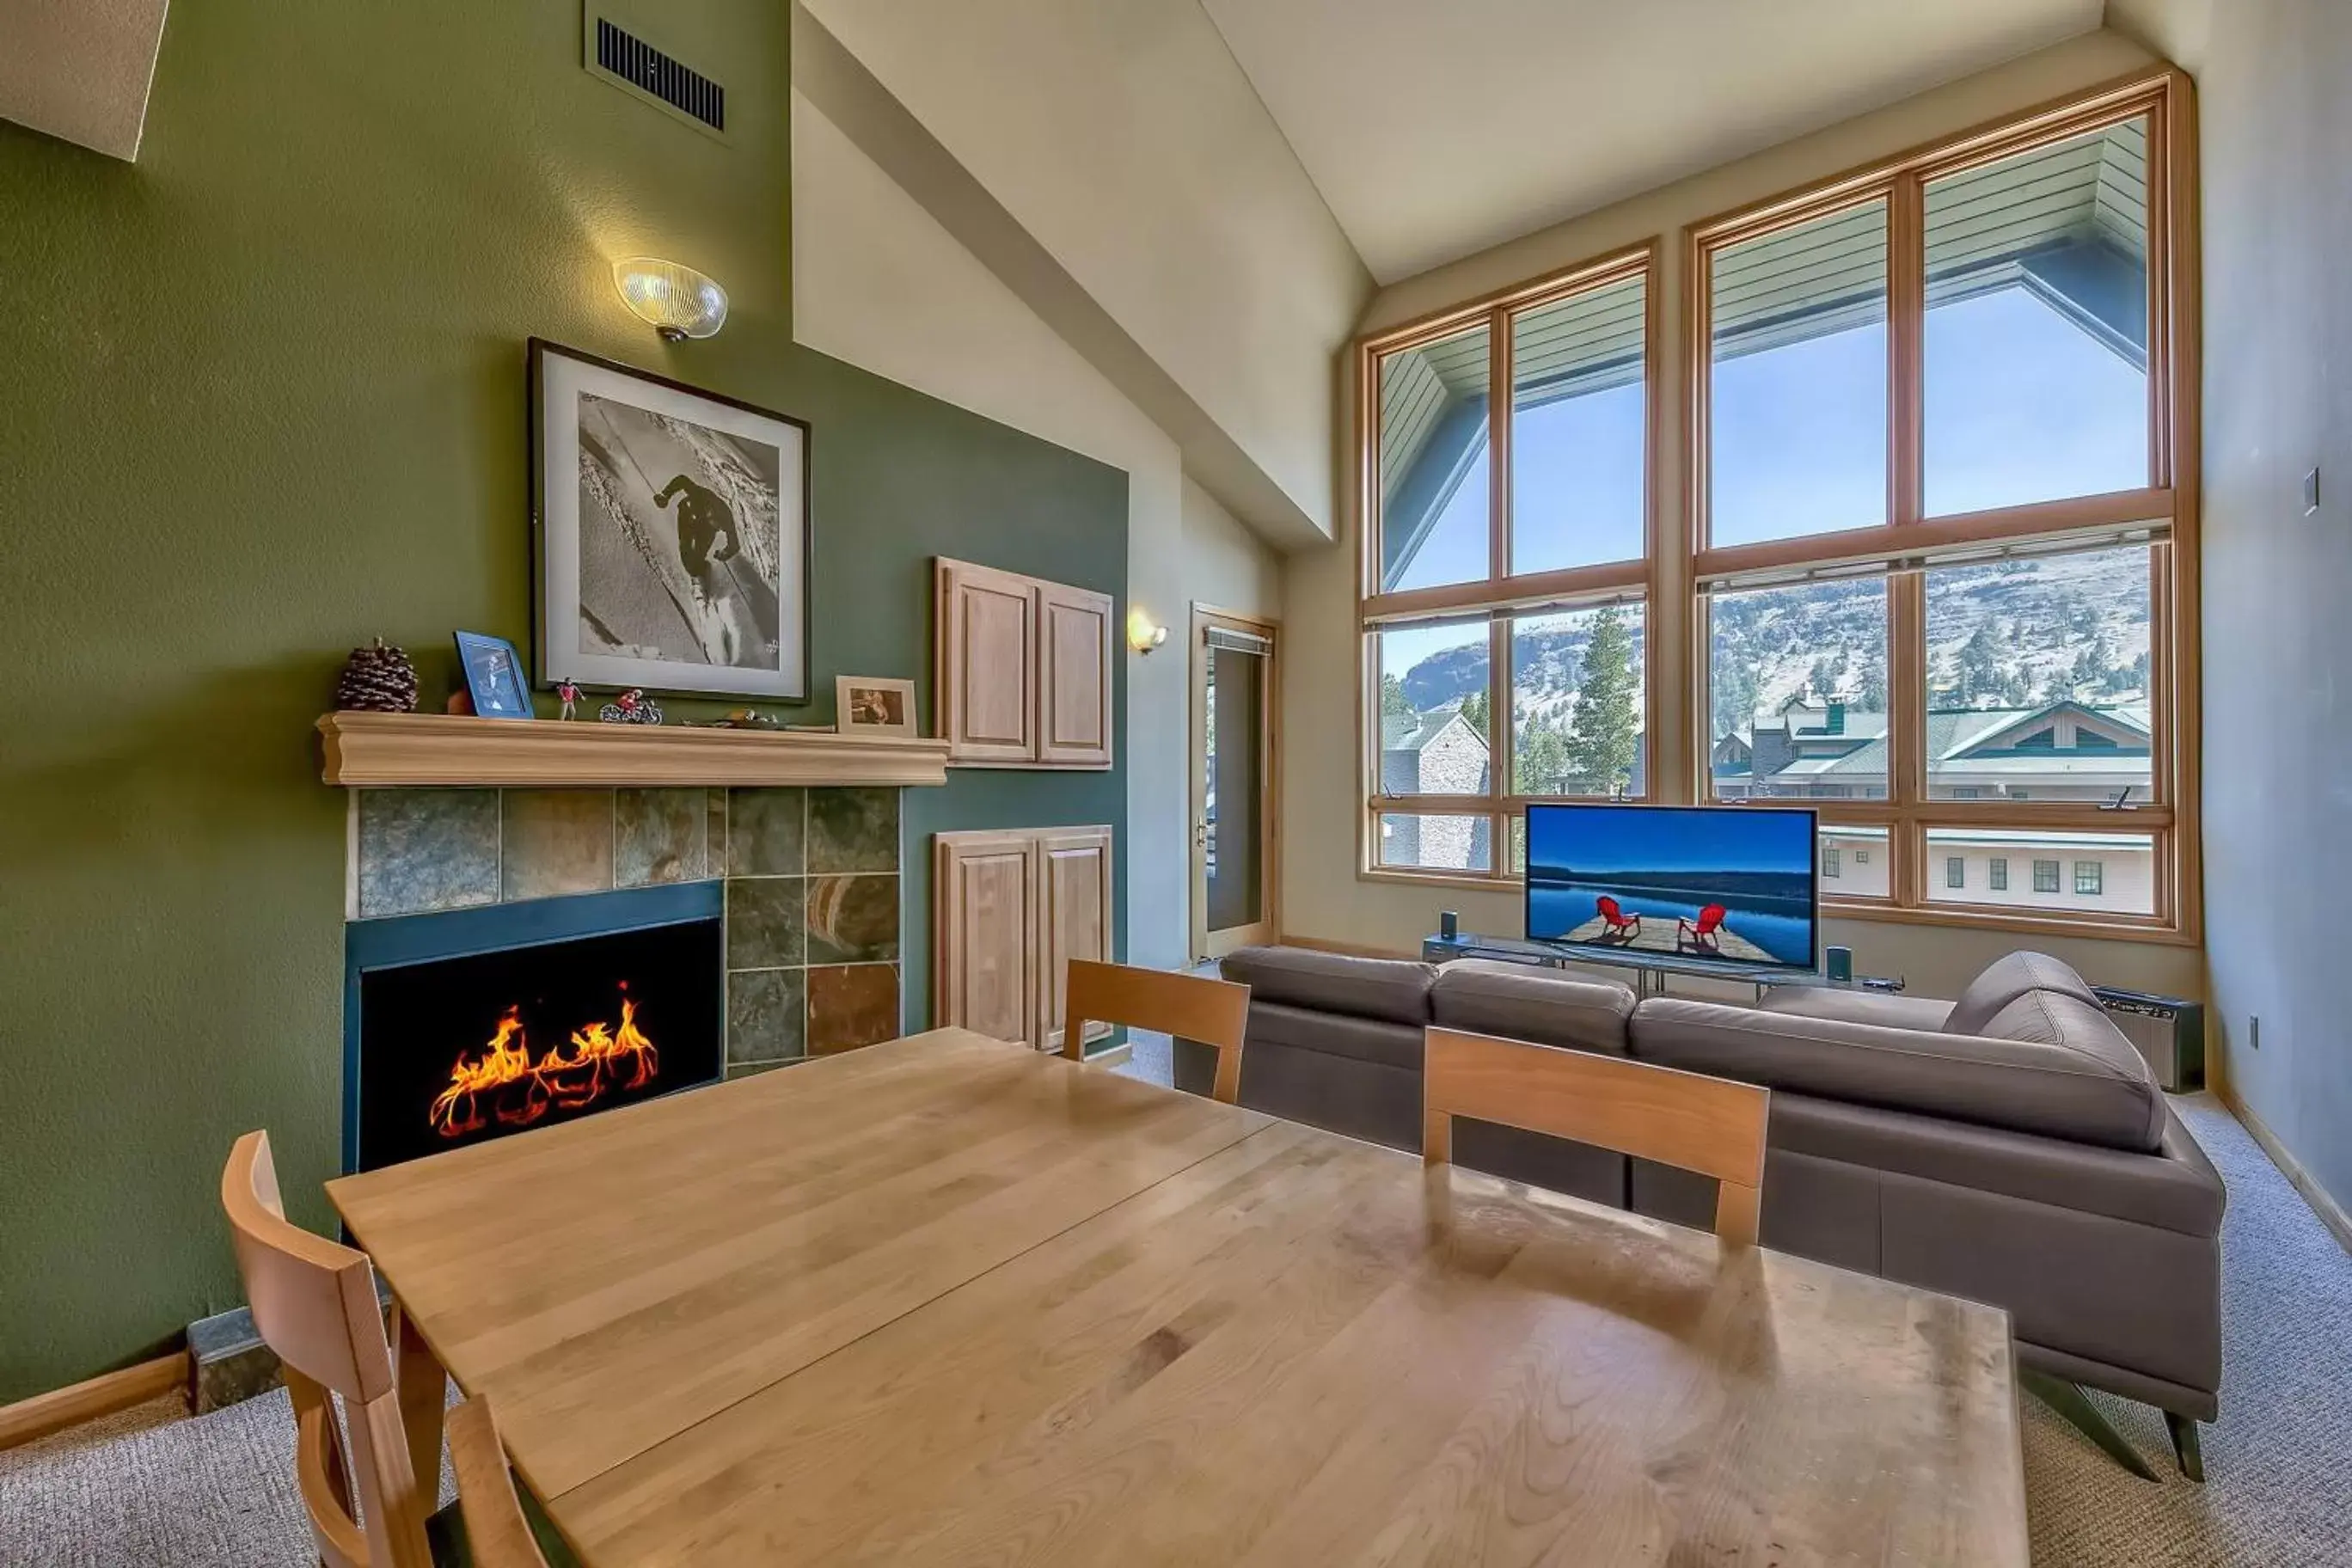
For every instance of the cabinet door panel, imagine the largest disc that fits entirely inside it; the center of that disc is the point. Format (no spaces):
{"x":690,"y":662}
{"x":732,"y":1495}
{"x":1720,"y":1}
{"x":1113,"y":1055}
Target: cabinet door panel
{"x":984,"y":957}
{"x":1074,"y":635}
{"x":1074,"y":905}
{"x":988,"y":657}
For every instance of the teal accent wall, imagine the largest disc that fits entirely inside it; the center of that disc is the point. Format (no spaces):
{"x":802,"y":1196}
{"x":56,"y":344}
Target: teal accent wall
{"x":263,"y":397}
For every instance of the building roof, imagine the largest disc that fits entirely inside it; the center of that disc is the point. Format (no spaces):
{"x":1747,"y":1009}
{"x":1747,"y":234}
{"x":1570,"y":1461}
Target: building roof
{"x":1414,"y":731}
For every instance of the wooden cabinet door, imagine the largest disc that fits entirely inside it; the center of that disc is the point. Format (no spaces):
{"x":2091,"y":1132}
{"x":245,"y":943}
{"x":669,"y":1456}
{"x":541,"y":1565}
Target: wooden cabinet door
{"x":988,"y":663}
{"x":1074,"y":635}
{"x":984,"y":890}
{"x":1073,"y":908}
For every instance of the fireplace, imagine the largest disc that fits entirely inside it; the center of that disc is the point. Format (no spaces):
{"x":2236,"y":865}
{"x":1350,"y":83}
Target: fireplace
{"x":476,"y":1023}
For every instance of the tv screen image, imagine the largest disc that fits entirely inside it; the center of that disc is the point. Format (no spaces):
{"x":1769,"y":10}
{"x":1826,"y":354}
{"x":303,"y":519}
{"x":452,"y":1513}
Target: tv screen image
{"x":1729,"y":884}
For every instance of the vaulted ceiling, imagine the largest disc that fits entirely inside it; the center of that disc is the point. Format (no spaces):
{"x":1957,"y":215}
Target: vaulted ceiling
{"x":1436,"y":131}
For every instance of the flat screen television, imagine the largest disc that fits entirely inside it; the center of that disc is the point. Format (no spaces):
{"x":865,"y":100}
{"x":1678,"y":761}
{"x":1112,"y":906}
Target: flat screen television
{"x":1731,"y":885}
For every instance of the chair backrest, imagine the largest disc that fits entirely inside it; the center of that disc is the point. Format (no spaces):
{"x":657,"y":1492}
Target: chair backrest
{"x":497,"y":1533}
{"x":1710,"y":918}
{"x":1609,"y":908}
{"x":314,"y":1303}
{"x":1189,"y":1006}
{"x":1710,"y":1125}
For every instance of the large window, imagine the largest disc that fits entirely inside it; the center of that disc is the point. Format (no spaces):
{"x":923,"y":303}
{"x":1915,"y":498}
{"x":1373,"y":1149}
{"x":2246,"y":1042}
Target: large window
{"x":1935,"y":416}
{"x":1931,"y":578}
{"x":1505,"y":620}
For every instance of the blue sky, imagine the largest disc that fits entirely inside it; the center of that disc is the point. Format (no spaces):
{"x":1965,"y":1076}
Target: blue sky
{"x":2023,"y":407}
{"x":1607,"y":840}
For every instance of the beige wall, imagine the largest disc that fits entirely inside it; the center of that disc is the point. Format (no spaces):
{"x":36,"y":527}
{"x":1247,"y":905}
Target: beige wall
{"x":2277,"y":125}
{"x":1323,"y":896}
{"x":1123,"y":137}
{"x":878,"y":283}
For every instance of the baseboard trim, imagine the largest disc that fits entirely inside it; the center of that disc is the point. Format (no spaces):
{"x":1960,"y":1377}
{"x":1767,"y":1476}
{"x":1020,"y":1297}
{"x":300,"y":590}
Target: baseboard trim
{"x":1352,"y":949}
{"x":2323,"y":1203}
{"x":1116,"y":1056}
{"x":87,"y":1401}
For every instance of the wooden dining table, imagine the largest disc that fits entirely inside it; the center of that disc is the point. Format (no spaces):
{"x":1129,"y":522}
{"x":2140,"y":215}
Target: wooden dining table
{"x":947,"y":1300}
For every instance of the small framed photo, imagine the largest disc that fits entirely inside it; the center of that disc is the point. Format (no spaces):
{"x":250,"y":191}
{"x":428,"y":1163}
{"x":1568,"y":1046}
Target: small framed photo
{"x":494,"y":676}
{"x":869,"y":705}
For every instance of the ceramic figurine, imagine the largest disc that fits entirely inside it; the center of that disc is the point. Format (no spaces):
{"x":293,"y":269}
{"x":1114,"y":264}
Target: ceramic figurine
{"x":568,"y":693}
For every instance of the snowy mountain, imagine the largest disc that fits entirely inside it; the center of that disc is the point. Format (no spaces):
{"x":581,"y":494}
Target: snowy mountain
{"x":2004,"y":634}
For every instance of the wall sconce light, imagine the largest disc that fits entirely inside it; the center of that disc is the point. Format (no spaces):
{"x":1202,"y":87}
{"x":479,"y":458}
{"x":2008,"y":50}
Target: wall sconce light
{"x":676,"y":301}
{"x":1143,"y":634}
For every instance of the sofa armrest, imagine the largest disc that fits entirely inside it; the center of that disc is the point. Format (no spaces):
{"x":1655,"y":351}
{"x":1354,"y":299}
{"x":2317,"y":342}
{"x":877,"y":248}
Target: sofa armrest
{"x":2176,"y":1188}
{"x":2026,"y":1085}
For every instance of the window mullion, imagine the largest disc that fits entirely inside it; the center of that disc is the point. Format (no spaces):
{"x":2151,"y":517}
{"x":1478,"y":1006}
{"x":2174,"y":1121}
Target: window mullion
{"x":1907,"y":286}
{"x":1499,"y":712}
{"x":1498,"y":445}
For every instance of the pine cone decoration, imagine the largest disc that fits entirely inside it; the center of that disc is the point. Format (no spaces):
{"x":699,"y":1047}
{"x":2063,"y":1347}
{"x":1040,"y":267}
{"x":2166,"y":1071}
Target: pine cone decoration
{"x":377,"y":680}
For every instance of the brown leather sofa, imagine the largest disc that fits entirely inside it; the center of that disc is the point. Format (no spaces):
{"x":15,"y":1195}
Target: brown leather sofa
{"x":2011,"y":1147}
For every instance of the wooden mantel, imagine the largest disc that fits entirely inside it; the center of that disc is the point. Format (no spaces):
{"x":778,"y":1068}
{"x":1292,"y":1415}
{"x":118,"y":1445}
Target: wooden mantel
{"x":395,"y":749}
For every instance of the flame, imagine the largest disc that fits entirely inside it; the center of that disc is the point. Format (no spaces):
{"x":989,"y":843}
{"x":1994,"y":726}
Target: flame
{"x":504,"y":1083}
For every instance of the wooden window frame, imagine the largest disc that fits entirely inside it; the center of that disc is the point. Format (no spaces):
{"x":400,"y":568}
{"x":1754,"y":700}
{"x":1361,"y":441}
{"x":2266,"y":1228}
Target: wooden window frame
{"x":1500,"y":597}
{"x":2163,"y":515}
{"x":1680,"y":567}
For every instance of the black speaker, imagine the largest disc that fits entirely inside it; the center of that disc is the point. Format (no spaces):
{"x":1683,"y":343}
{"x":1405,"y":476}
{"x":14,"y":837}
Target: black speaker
{"x":1839,"y":964}
{"x":1449,"y":924}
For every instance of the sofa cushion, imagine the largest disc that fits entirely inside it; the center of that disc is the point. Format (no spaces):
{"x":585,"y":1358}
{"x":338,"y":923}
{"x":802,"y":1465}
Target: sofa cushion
{"x":2075,"y":1085}
{"x":1395,"y":990}
{"x":1377,"y":1040}
{"x":2004,"y":981}
{"x":1519,"y":1003}
{"x":1857,"y":1006}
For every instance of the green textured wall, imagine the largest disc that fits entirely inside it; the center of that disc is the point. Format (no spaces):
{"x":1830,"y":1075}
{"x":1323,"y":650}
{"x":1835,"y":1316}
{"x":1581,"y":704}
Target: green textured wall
{"x":263,"y":396}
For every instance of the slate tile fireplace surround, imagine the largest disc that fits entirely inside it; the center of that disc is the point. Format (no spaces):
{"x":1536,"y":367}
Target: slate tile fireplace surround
{"x":798,"y":890}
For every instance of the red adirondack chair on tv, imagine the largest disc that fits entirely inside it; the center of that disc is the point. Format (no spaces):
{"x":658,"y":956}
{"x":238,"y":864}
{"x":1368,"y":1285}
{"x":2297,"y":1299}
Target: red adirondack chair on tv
{"x":1701,"y":934}
{"x":1620,"y":923}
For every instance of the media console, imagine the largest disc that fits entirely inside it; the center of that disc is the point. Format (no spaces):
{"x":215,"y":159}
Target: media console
{"x":1650,"y":969}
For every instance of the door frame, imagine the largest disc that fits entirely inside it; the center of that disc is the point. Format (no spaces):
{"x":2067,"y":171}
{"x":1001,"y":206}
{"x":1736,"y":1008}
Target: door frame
{"x":1267,"y":927}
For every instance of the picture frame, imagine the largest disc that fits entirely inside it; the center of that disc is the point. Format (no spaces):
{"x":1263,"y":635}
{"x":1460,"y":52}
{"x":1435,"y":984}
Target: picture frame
{"x":494,"y":676}
{"x":875,"y":705}
{"x":671,"y":538}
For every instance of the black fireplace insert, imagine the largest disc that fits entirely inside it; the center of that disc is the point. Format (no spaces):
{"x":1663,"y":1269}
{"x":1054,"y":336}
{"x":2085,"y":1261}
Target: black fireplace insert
{"x":457,"y":1047}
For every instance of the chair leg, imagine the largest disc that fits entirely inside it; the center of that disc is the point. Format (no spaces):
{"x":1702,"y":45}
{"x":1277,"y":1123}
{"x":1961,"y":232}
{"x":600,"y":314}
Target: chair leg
{"x":2184,"y":1445}
{"x":2073,"y":1406}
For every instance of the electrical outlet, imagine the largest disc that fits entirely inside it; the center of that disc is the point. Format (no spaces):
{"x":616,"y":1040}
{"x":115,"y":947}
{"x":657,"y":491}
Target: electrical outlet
{"x":2311,"y":492}
{"x":2254,"y":1031}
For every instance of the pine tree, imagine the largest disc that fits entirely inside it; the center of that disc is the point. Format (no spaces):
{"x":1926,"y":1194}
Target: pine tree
{"x":1980,"y":665}
{"x":1476,"y":711}
{"x":1395,"y":704}
{"x":1542,"y":767}
{"x":1733,"y":681}
{"x":1872,"y":697}
{"x":1602,"y":741}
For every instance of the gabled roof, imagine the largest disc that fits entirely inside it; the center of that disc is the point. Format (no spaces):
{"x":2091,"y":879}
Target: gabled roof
{"x":1991,"y":725}
{"x":1414,"y":732}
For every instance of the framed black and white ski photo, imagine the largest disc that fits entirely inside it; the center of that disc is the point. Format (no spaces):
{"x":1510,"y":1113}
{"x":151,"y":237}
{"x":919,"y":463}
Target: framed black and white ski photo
{"x":672,"y":535}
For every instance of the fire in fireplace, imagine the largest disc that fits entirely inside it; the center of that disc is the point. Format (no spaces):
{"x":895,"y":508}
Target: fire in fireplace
{"x":457,"y":1049}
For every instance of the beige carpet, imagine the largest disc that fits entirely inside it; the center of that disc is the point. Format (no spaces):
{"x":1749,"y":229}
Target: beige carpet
{"x":148,"y":1489}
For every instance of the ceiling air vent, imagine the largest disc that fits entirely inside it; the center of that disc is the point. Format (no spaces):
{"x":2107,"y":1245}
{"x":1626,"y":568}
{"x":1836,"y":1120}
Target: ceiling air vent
{"x":628,"y":61}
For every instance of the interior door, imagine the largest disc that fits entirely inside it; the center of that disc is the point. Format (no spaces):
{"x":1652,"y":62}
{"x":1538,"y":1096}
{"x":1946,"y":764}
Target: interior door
{"x":1235,"y":724}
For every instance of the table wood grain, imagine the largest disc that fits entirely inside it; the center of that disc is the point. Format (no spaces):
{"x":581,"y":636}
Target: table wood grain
{"x":948,"y":1301}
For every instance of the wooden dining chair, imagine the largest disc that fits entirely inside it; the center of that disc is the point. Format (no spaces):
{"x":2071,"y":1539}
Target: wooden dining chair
{"x":314,"y":1303}
{"x":1189,"y":1006}
{"x":1710,"y":1125}
{"x":497,"y":1535}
